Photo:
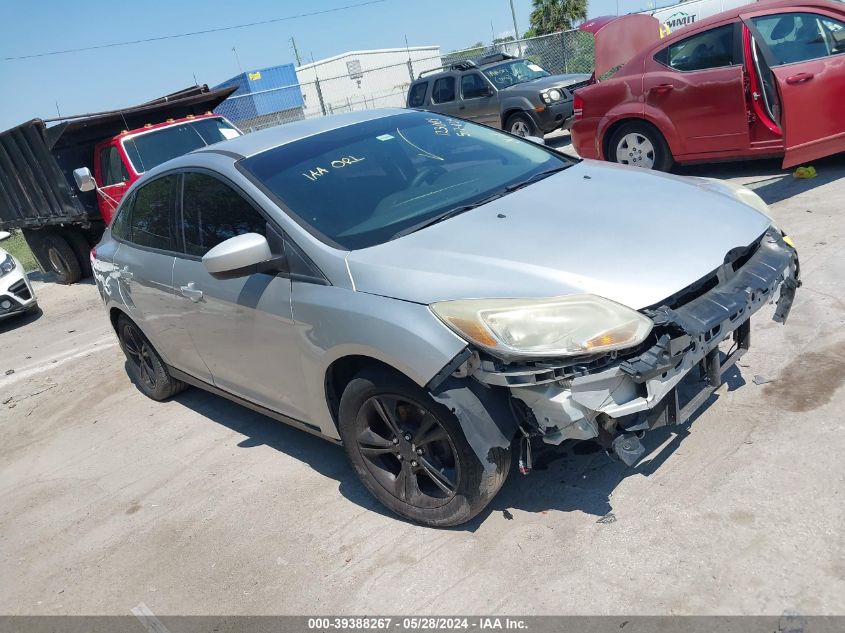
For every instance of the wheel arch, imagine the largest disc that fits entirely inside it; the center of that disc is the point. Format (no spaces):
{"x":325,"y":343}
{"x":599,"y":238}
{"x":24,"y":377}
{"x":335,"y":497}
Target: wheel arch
{"x":342,"y":370}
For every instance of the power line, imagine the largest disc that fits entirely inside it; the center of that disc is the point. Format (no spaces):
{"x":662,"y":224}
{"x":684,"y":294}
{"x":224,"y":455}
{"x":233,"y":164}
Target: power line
{"x":192,"y":33}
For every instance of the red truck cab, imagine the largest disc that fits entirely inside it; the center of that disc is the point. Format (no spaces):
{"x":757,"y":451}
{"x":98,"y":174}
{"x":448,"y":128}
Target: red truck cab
{"x":120,"y":160}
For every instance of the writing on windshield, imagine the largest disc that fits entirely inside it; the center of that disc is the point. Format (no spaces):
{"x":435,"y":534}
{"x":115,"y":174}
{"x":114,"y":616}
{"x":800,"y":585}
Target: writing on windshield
{"x":360,"y":185}
{"x":516,"y":72}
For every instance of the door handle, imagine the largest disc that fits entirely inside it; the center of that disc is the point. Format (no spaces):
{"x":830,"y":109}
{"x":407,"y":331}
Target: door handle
{"x":662,"y":88}
{"x":800,"y":78}
{"x":191,"y":292}
{"x":461,"y":107}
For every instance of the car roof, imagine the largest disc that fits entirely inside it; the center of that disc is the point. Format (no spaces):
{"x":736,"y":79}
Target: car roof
{"x":762,"y":5}
{"x":262,"y":140}
{"x":256,"y":142}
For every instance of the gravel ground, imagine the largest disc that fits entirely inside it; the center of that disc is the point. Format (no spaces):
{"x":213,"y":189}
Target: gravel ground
{"x":199,"y":506}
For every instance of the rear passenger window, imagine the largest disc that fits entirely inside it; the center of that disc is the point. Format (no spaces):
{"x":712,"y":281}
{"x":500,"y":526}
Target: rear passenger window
{"x":798,"y":37}
{"x":444,"y":90}
{"x":212,"y":212}
{"x":417,"y":96}
{"x":152,"y":218}
{"x":711,"y":49}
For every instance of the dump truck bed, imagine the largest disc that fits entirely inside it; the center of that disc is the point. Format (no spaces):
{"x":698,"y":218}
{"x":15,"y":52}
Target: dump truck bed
{"x":37,"y":160}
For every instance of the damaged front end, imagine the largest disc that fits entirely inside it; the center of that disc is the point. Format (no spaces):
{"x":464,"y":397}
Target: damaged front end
{"x":614,"y":397}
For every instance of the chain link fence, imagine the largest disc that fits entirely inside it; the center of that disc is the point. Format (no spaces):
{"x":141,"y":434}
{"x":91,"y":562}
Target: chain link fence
{"x":559,"y":53}
{"x":380,"y":79}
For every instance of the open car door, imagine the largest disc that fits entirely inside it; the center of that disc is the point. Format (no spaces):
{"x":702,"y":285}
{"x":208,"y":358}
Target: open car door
{"x":804,"y":48}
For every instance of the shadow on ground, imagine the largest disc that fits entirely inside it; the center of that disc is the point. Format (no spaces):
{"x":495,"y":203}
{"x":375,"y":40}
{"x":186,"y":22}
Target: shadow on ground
{"x":574,"y":477}
{"x":766,"y":177}
{"x":19,"y":320}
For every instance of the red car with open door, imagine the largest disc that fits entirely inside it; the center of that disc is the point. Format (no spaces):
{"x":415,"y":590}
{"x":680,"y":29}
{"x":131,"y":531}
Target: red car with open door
{"x":766,"y":79}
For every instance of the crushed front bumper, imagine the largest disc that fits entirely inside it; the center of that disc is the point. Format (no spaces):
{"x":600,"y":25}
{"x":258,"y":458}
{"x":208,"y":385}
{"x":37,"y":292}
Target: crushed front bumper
{"x":643,"y":392}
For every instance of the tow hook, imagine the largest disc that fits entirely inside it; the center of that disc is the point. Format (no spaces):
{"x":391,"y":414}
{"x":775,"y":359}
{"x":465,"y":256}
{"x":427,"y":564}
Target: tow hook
{"x":628,"y":448}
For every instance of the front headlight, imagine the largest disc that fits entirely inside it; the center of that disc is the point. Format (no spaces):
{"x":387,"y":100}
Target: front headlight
{"x":558,"y":326}
{"x":7,"y":265}
{"x":554,"y":94}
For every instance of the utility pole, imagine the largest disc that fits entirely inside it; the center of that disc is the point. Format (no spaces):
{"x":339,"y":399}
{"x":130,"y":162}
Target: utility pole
{"x":516,"y":34}
{"x":295,"y":51}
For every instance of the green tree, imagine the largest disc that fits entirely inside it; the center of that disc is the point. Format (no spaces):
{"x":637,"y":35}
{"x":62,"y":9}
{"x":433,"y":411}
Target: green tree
{"x":550,"y":16}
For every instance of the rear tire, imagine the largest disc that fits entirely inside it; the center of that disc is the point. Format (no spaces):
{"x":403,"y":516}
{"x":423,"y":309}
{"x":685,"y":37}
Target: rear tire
{"x":145,"y":367}
{"x":640,"y":144}
{"x":62,"y":258}
{"x":82,"y":248}
{"x":521,"y":124}
{"x":410,"y":452}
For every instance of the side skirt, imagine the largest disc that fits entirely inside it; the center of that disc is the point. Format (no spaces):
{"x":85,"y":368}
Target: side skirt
{"x":201,"y":384}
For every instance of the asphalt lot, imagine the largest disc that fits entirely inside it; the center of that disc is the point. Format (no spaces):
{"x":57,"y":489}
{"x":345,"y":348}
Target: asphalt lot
{"x":198,"y":506}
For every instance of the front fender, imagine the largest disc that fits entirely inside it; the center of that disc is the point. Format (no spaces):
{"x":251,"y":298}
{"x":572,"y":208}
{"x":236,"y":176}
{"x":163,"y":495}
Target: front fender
{"x":335,"y":322}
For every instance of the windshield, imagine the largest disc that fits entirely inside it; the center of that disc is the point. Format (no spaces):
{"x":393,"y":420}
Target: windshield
{"x":515,"y":72}
{"x":360,"y":185}
{"x":150,"y":149}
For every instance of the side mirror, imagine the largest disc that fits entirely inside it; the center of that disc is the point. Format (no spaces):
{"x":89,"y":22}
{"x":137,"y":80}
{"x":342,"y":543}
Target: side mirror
{"x":536,"y":139}
{"x":241,"y":256}
{"x":489,"y":92}
{"x":4,"y":235}
{"x":84,"y":180}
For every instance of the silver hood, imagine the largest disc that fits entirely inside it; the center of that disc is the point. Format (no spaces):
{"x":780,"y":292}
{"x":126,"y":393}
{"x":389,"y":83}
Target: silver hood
{"x":627,"y":234}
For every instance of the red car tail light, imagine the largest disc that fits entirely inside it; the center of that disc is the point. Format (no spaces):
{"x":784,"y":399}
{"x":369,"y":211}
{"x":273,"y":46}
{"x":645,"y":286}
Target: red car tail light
{"x":578,"y":105}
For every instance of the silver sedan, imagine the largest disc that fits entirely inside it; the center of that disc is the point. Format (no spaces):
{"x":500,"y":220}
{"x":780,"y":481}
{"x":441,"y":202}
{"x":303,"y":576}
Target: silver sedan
{"x":437,"y":295}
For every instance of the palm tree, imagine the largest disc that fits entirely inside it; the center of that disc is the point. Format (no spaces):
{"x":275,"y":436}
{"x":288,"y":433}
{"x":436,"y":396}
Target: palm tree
{"x":549,"y":16}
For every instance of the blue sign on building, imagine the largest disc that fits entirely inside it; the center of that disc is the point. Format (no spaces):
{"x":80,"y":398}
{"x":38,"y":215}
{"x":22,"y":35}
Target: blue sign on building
{"x":262,"y":92}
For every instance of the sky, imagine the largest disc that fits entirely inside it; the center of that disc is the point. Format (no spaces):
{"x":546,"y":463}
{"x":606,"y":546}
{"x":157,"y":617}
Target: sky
{"x":109,"y":78}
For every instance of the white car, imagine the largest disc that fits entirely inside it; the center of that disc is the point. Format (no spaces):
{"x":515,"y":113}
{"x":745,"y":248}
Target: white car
{"x":16,"y":294}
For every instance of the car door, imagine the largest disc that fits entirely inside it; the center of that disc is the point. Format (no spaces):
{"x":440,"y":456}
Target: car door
{"x":698,"y":83}
{"x":444,"y":95}
{"x":146,"y":230}
{"x":242,"y":327}
{"x":805,"y":51}
{"x":479,"y":102}
{"x":112,"y":177}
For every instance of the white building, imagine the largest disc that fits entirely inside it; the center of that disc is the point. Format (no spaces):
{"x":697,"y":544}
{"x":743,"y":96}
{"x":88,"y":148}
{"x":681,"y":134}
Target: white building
{"x":361,"y":80}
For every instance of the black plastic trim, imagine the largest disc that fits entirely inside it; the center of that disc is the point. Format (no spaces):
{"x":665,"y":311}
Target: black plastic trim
{"x":201,"y":384}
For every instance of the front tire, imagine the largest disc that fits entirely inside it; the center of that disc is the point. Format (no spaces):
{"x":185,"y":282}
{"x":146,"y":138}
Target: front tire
{"x":145,"y":366}
{"x":521,"y":124}
{"x":640,"y":145}
{"x":410,"y":452}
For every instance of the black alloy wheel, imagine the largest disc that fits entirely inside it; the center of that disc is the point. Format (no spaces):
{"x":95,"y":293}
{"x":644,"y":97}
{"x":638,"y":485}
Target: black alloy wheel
{"x":408,"y":451}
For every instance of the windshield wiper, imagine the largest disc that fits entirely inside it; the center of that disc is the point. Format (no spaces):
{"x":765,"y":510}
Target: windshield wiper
{"x":451,"y":213}
{"x":536,"y":177}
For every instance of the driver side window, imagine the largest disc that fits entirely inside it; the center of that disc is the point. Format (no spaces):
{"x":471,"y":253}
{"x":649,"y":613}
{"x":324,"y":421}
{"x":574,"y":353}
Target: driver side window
{"x":112,"y":169}
{"x":710,"y":49}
